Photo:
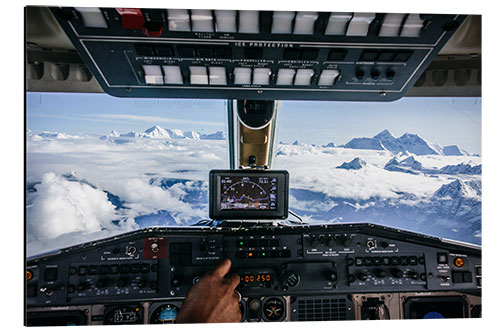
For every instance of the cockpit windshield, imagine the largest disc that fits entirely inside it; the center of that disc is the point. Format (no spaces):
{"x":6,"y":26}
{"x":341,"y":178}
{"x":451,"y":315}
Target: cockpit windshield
{"x":99,"y":166}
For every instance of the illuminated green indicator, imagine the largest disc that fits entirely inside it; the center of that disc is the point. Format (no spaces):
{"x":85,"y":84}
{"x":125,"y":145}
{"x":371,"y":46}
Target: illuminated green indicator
{"x":241,"y":243}
{"x":263,"y":254}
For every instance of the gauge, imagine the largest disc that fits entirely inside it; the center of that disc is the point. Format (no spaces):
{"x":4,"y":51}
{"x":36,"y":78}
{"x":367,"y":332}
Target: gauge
{"x":122,"y":315}
{"x":273,"y":309}
{"x":165,"y":314}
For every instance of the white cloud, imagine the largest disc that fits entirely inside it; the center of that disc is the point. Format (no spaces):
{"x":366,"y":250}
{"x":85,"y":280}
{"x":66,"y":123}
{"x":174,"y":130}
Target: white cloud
{"x":62,"y":207}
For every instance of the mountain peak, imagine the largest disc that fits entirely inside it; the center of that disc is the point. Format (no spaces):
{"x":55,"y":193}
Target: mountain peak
{"x":385,"y":134}
{"x":355,"y":164}
{"x":455,"y":189}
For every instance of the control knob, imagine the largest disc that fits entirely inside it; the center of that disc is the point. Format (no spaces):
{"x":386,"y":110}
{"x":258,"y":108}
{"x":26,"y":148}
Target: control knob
{"x":292,"y":279}
{"x":362,"y":276}
{"x":332,"y":243}
{"x":315,"y":243}
{"x":344,"y":241}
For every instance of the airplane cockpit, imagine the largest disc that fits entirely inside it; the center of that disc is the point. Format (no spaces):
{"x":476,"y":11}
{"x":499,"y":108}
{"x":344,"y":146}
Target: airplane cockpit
{"x":333,"y":157}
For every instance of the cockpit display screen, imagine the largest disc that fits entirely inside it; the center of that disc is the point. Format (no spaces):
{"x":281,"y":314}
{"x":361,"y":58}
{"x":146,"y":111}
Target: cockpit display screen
{"x":248,"y":194}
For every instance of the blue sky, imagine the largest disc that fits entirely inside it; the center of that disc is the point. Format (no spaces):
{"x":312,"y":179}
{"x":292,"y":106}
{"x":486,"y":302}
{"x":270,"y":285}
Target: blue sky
{"x":444,"y":121}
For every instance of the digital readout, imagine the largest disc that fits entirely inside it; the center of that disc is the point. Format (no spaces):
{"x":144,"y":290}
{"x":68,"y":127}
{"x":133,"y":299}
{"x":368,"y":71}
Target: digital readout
{"x":254,"y":278}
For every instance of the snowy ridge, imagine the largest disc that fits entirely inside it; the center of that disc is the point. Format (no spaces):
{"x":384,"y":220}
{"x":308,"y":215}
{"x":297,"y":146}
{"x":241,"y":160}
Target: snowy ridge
{"x":355,"y":164}
{"x":158,"y":132}
{"x":409,"y":143}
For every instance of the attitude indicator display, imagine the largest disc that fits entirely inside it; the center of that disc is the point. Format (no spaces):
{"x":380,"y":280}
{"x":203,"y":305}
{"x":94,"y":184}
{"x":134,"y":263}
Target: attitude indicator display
{"x":248,"y":194}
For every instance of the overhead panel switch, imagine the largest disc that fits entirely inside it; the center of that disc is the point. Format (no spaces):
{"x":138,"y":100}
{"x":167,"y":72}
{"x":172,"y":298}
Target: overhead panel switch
{"x":337,"y":23}
{"x":391,"y":25}
{"x":92,"y":17}
{"x":412,"y":26}
{"x":152,"y":74}
{"x":282,"y":22}
{"x":202,"y":20}
{"x":304,"y":23}
{"x":248,"y":22}
{"x":225,"y":20}
{"x":178,"y":20}
{"x":360,"y":24}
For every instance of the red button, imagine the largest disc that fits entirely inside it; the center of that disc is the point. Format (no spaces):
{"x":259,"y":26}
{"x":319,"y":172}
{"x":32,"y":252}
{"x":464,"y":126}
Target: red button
{"x":132,"y":18}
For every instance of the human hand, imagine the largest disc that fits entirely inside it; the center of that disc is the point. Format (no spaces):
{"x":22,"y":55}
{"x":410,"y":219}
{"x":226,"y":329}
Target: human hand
{"x":213,"y":299}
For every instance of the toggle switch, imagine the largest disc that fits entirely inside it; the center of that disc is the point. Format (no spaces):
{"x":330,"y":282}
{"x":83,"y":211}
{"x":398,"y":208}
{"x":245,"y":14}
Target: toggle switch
{"x":285,"y":76}
{"x":198,"y":75}
{"x":304,"y":23}
{"x":202,"y":20}
{"x":217,"y":75}
{"x":337,"y":23}
{"x":391,"y":25}
{"x":248,"y":21}
{"x":172,"y":75}
{"x":303,"y":77}
{"x":328,"y":77}
{"x":225,"y":20}
{"x":261,"y":76}
{"x":282,"y":22}
{"x":360,"y":24}
{"x":242,"y":75}
{"x":92,"y":17}
{"x":412,"y":26}
{"x":178,"y":20}
{"x":152,"y":74}
{"x":132,"y":18}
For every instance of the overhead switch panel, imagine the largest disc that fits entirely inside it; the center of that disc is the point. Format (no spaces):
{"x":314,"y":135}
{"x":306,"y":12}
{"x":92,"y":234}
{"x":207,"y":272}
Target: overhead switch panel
{"x":260,"y":55}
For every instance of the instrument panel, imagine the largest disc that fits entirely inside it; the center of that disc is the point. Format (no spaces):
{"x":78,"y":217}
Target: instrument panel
{"x":257,"y":55}
{"x":334,"y":272}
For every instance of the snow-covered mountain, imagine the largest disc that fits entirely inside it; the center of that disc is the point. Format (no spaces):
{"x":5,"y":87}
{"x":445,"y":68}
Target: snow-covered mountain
{"x":329,"y":145}
{"x":355,"y":164}
{"x":408,"y":165}
{"x":158,"y":132}
{"x":462,"y":168}
{"x":219,"y":135}
{"x":192,"y":135}
{"x":411,"y":143}
{"x":365,"y":143}
{"x":454,"y":150}
{"x":459,"y":189}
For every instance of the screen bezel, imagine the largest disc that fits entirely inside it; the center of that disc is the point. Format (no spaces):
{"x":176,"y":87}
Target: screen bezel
{"x":215,"y":211}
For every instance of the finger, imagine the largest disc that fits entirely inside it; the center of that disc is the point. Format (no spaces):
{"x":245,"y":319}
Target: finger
{"x":222,"y":268}
{"x":233,"y":279}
